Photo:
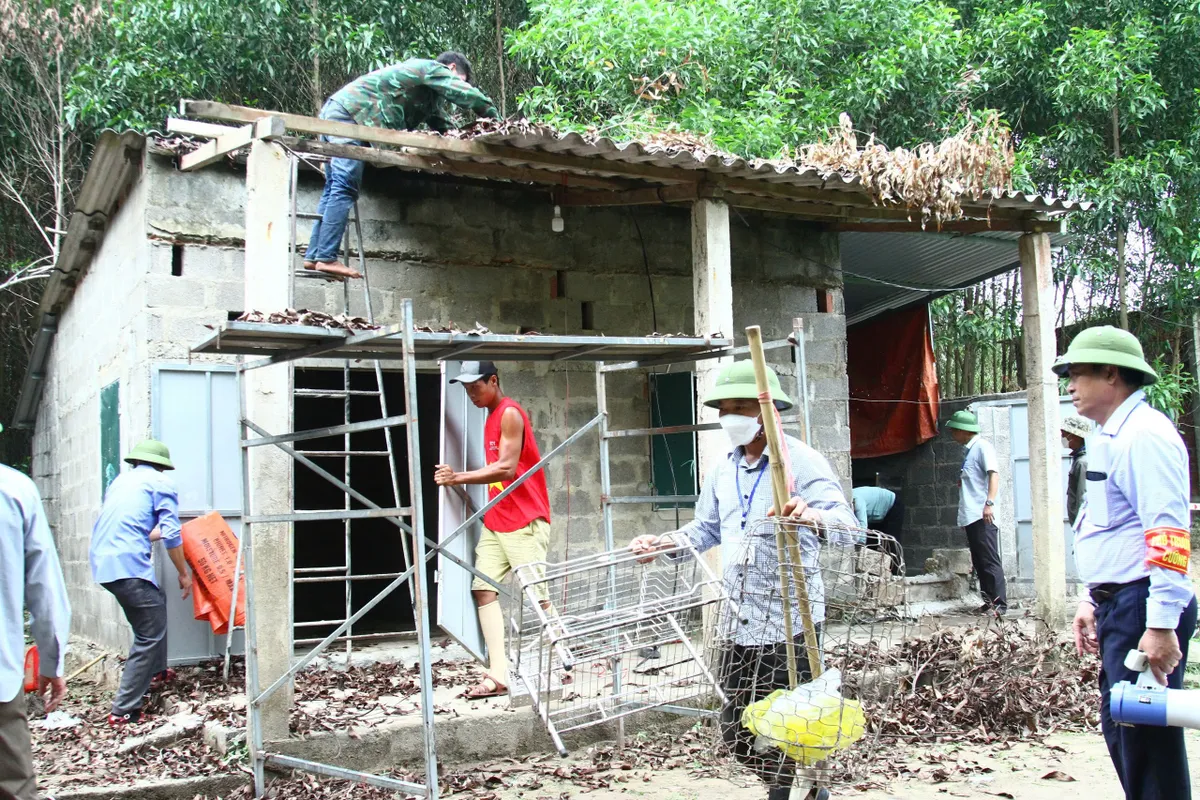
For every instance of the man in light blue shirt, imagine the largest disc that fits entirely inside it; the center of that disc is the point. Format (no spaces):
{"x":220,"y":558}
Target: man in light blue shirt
{"x":1132,"y":547}
{"x":734,"y":501}
{"x":978,"y":484}
{"x":30,"y":578}
{"x":881,"y":510}
{"x":140,"y":507}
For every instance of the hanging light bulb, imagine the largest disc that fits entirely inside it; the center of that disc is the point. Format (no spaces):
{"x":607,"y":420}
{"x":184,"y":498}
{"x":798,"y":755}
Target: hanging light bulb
{"x":557,"y":223}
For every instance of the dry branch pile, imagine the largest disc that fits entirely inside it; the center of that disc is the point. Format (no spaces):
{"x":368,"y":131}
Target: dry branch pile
{"x":930,"y":180}
{"x":995,"y":683}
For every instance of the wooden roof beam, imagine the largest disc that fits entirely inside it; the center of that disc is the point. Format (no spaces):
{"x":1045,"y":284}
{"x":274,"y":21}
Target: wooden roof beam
{"x":446,"y":166}
{"x":431,"y":143}
{"x":215,"y":149}
{"x":655,"y":195}
{"x":191,"y":127}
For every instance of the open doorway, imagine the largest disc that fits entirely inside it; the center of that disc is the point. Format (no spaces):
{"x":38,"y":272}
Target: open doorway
{"x":324,"y":588}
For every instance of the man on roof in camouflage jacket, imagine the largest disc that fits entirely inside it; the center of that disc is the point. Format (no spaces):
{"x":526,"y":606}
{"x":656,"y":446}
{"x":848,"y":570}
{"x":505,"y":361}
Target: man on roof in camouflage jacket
{"x":402,"y":96}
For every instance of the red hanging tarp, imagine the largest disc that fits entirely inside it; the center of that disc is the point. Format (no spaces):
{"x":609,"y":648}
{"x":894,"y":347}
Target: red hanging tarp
{"x":893,"y":384}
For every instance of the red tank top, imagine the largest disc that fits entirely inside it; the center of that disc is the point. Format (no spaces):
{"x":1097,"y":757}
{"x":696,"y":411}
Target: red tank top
{"x":529,"y":501}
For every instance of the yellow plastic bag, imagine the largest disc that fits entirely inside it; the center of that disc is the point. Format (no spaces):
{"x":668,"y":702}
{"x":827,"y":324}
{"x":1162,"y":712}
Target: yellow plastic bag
{"x":809,"y":722}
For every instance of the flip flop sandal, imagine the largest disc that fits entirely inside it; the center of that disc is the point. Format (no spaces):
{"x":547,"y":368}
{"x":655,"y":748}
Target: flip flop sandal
{"x":488,"y":687}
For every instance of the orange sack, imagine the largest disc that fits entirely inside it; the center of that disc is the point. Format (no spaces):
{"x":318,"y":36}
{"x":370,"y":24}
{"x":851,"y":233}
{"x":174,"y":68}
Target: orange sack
{"x":210,"y":549}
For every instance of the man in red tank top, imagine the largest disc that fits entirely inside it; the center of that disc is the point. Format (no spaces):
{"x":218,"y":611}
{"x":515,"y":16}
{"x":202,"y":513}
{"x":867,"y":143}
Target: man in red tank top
{"x":516,"y":531}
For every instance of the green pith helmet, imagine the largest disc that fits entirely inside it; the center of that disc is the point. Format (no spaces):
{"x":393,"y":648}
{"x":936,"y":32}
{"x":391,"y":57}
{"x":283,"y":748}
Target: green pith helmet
{"x":963,"y":421}
{"x":1105,"y":344}
{"x":151,"y":451}
{"x":736,"y":382}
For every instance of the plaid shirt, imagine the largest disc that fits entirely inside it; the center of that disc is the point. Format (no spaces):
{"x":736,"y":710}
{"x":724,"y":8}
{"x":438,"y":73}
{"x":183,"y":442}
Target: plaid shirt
{"x":731,"y":512}
{"x":405,"y":95}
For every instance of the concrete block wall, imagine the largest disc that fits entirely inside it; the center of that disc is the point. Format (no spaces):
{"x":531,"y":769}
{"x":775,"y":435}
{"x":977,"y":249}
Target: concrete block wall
{"x":926,"y":478}
{"x":464,"y":255}
{"x":102,"y":337}
{"x":484,"y":255}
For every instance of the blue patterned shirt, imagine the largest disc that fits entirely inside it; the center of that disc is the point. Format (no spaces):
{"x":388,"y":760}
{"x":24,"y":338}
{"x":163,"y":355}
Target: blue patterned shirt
{"x":137,"y":502}
{"x":731,"y":513}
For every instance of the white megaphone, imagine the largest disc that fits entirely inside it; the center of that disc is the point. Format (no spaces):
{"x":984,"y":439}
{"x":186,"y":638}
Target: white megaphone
{"x":1148,"y":702}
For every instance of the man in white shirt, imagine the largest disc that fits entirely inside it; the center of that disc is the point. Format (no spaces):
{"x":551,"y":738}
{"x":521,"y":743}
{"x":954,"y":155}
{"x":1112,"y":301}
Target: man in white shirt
{"x":30,"y":578}
{"x":978,"y":484}
{"x":1132,"y":547}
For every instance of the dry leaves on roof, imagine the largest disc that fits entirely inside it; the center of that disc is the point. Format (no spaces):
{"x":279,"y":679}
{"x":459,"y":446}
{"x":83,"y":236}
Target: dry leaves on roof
{"x":929,"y":180}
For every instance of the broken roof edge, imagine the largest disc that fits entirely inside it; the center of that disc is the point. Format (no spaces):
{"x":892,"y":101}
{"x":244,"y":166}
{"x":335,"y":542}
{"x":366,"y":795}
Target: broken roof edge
{"x":116,"y":162}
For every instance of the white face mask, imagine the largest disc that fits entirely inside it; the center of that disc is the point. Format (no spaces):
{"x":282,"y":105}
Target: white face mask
{"x":1066,"y":443}
{"x":740,"y":430}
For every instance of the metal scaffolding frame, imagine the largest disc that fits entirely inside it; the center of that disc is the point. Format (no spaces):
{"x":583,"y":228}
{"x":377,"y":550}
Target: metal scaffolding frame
{"x":280,"y":345}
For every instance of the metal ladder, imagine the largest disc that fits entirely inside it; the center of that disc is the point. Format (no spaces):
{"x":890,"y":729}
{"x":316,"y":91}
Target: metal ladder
{"x":342,"y":572}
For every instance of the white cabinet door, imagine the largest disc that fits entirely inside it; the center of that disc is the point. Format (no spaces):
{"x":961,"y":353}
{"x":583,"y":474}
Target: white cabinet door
{"x":195,"y":413}
{"x":461,"y":448}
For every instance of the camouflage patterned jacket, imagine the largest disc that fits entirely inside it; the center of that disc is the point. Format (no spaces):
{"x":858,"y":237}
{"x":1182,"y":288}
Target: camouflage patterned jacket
{"x":403,"y":96}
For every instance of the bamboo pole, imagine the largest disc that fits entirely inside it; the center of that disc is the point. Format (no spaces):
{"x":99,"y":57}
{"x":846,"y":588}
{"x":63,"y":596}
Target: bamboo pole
{"x":787,"y":546}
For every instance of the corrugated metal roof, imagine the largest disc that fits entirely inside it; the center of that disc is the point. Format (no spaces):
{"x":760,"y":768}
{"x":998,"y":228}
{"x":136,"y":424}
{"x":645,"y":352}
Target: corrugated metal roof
{"x":885,"y":271}
{"x":768,"y":172}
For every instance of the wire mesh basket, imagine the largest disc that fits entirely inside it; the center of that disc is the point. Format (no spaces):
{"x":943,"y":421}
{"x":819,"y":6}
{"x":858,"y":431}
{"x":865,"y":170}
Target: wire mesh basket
{"x":601,"y":637}
{"x":800,"y":731}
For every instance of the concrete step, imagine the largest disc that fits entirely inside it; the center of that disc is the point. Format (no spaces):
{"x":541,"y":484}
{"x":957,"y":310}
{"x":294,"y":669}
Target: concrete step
{"x":933,"y":588}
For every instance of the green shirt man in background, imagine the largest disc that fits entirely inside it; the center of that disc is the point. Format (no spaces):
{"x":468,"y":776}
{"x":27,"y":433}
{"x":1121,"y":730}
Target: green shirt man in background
{"x":403,"y":96}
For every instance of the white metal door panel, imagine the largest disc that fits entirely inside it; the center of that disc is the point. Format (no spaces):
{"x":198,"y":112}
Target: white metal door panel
{"x":462,"y":448}
{"x":1019,"y":436}
{"x":195,"y":413}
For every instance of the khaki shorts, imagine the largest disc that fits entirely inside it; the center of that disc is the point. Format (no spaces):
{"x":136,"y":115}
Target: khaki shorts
{"x":498,"y":554}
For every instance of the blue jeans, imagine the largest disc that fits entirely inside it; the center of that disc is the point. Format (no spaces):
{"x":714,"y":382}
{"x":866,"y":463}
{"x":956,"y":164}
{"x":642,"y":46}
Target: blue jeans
{"x":343,"y":177}
{"x":1150,"y":761}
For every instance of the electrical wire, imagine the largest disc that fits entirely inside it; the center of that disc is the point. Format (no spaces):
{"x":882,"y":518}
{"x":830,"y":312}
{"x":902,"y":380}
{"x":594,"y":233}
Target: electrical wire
{"x":646,"y":264}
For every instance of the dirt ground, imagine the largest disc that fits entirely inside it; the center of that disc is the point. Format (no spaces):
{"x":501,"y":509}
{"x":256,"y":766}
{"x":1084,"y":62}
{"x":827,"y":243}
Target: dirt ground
{"x":1073,"y":764}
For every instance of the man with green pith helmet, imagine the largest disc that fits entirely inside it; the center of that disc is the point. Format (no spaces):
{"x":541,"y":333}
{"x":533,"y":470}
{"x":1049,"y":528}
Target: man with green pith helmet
{"x":734,"y":501}
{"x":1132,"y":549}
{"x":140,"y":508}
{"x":978,"y":485}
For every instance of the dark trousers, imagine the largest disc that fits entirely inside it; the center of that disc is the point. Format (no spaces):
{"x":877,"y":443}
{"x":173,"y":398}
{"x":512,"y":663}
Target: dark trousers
{"x":145,"y":607}
{"x":893,"y":525}
{"x":984,"y":540}
{"x":1150,"y":761}
{"x":16,"y":751}
{"x":750,"y":674}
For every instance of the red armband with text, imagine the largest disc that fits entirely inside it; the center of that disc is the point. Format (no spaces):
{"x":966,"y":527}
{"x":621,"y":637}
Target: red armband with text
{"x":1168,"y":548}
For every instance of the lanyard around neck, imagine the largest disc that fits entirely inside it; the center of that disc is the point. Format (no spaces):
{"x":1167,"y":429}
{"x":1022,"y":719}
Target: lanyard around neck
{"x":748,"y":501}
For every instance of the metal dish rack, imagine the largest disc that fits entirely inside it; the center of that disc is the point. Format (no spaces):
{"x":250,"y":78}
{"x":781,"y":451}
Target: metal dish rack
{"x":600,"y":637}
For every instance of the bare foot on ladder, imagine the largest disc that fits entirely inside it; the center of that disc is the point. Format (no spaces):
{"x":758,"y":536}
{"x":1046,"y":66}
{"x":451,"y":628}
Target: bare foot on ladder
{"x":335,"y":269}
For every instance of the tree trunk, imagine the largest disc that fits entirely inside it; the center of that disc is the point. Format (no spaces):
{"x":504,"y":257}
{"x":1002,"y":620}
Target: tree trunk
{"x":500,"y":61}
{"x":970,"y":349}
{"x":1122,"y":278}
{"x":318,"y":97}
